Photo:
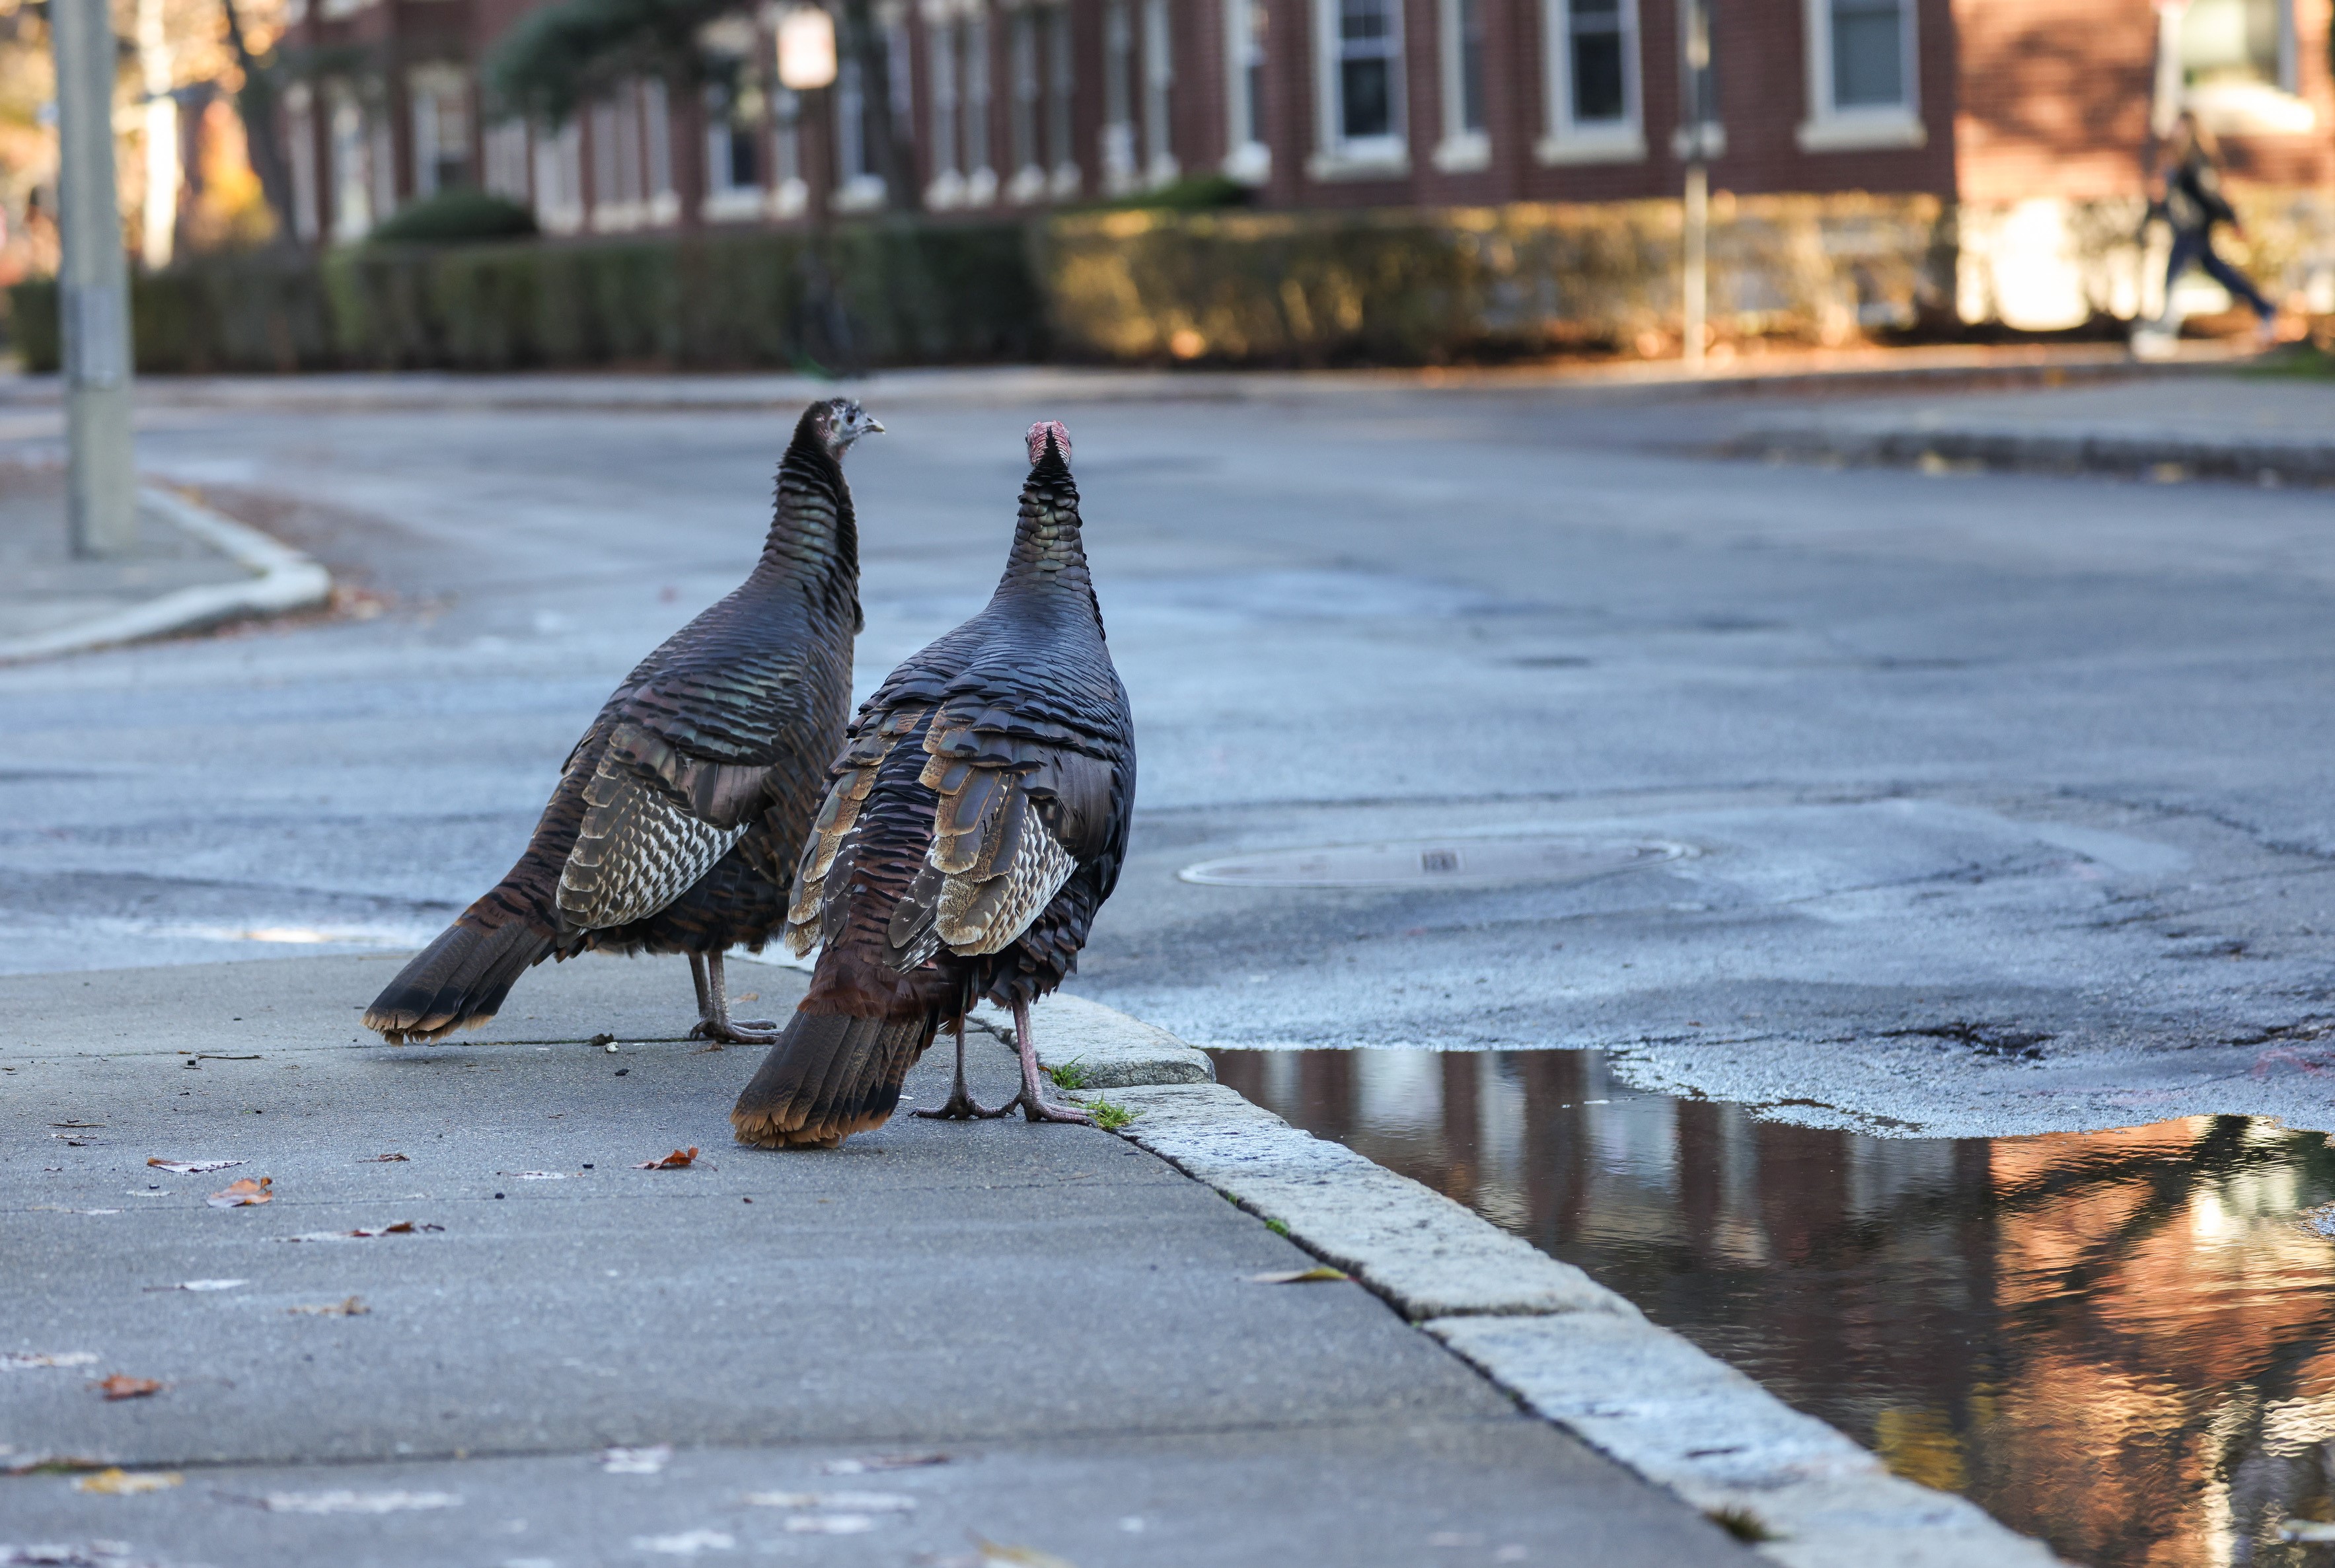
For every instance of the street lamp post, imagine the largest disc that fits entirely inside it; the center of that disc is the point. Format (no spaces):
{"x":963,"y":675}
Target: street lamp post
{"x":1698,"y":143}
{"x":93,"y":293}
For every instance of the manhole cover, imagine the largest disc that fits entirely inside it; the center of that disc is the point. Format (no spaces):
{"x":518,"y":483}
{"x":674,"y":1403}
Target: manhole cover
{"x":1438,"y":862}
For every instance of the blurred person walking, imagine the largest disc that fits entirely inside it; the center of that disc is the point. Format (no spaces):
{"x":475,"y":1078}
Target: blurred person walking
{"x":2187,"y":196}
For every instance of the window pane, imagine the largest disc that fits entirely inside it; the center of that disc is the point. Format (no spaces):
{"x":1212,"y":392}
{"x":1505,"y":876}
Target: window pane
{"x":1597,"y":77}
{"x":1868,"y":57}
{"x":2230,"y":41}
{"x":1361,"y":21}
{"x":1368,"y":106}
{"x":1471,"y":64}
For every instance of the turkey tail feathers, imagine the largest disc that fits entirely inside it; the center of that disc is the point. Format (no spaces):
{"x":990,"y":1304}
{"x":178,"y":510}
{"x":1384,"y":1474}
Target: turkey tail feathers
{"x":457,"y":982}
{"x":828,"y":1077}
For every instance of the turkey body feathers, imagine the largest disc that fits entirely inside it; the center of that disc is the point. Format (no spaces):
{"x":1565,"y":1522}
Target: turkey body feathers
{"x":975,"y":821}
{"x":679,"y":815}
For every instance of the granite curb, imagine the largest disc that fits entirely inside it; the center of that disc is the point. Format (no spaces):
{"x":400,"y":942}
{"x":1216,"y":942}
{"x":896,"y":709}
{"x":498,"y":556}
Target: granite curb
{"x":1576,"y":1353}
{"x":282,"y":580}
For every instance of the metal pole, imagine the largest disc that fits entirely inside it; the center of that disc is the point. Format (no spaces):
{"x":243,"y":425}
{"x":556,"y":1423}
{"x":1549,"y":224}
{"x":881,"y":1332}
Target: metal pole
{"x":93,"y":294}
{"x":1698,"y":233}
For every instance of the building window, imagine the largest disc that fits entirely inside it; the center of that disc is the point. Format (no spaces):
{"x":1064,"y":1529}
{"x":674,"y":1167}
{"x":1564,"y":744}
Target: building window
{"x":947,"y":187}
{"x":505,"y":150}
{"x":1061,"y":82}
{"x":734,"y":146}
{"x":860,"y":186}
{"x":1594,"y":113}
{"x":1861,"y":76}
{"x":381,"y":158}
{"x":1118,"y":98}
{"x":2237,"y":66}
{"x":1360,"y":90}
{"x":980,"y":179}
{"x":441,"y":128}
{"x":1158,"y":88}
{"x":1029,"y":97}
{"x":300,"y":116}
{"x":560,"y":178}
{"x":349,"y":162}
{"x":1466,"y":142}
{"x":1249,"y":157}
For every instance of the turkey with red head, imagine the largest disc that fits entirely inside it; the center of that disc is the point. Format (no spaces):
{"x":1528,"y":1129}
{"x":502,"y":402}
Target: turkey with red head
{"x":680,"y":814}
{"x":975,"y":821}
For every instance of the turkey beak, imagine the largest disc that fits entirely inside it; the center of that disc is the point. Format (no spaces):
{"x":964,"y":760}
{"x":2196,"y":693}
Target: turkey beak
{"x":875,"y":426}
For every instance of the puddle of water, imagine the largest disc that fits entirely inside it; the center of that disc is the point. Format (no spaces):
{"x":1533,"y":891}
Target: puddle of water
{"x":2122,"y":1342}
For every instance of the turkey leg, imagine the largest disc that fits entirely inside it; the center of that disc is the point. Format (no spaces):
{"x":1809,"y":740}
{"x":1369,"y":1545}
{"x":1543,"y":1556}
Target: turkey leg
{"x":960,"y":1103}
{"x":714,"y":1021}
{"x":1032,"y":1097}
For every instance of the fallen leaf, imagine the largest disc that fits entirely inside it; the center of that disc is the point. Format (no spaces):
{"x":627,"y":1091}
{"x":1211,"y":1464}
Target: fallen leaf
{"x":1319,"y":1273}
{"x":602,"y":1039}
{"x":679,"y":1159}
{"x":635,"y":1461}
{"x":856,"y":1501}
{"x":830,"y":1525}
{"x":49,"y":1464}
{"x":116,"y":1482}
{"x":881,"y":1462}
{"x":193,"y":1166}
{"x":201,"y":1285}
{"x":688,"y":1543}
{"x":381,"y":1159}
{"x":121,"y":1385}
{"x":401,"y":1228}
{"x":344,"y":1502}
{"x":354,"y":1307}
{"x":993,"y":1554}
{"x":243,"y":1193}
{"x":24,"y":1360}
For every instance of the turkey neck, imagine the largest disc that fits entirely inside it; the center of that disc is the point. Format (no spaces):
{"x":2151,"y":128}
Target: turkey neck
{"x":1048,"y":562}
{"x":814,"y":540}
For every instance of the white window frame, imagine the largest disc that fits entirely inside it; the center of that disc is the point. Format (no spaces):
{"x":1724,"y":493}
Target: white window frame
{"x":503,"y":160}
{"x":1062,"y":68}
{"x":560,"y":178}
{"x":1462,"y":148}
{"x":430,"y":91}
{"x":1338,"y":156}
{"x":1118,"y":148}
{"x":1831,"y":128}
{"x":981,"y":176}
{"x":1248,"y":157}
{"x":1025,"y":55}
{"x":300,"y":117}
{"x":726,"y":200}
{"x":2237,"y":107}
{"x":1567,"y":138}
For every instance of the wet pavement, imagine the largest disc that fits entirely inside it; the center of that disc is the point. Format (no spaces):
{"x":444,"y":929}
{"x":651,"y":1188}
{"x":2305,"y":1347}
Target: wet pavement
{"x":2122,"y":1342}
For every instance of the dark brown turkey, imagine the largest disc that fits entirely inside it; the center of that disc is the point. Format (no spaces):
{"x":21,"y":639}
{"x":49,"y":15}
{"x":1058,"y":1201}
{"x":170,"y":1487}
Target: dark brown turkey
{"x":976,"y":821}
{"x":679,"y":815}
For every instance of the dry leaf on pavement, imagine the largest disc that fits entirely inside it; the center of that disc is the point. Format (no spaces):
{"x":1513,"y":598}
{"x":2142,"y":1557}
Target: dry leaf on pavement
{"x":121,"y":1385}
{"x":354,"y":1307}
{"x":243,"y":1193}
{"x":1320,"y":1273}
{"x":193,"y":1166}
{"x":994,"y":1554}
{"x":116,"y":1482}
{"x":679,"y":1159}
{"x":381,"y":1159}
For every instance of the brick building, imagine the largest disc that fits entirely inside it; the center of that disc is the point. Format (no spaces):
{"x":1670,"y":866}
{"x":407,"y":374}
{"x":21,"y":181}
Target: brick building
{"x":2030,"y":116}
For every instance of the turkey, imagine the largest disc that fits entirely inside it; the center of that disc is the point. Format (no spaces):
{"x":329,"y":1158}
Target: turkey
{"x":679,"y":814}
{"x":976,"y":820}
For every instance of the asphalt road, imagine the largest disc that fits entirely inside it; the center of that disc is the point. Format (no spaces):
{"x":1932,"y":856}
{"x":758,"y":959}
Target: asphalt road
{"x":1970,"y":804}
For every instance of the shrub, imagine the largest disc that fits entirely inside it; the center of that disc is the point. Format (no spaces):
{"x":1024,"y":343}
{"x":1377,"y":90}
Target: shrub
{"x":457,"y":216}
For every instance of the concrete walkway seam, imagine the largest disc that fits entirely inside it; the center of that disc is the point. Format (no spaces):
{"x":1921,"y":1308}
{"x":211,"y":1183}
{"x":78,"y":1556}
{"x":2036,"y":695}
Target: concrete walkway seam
{"x":1574,"y":1352}
{"x":282,"y":580}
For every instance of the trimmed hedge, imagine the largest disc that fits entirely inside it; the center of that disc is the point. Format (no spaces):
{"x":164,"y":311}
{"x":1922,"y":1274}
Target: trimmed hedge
{"x":1423,"y":286}
{"x":911,"y":295}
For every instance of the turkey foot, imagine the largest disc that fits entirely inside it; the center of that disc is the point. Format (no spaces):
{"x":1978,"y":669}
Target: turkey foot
{"x":960,"y":1104}
{"x":714,"y":1021}
{"x":1035,"y":1106}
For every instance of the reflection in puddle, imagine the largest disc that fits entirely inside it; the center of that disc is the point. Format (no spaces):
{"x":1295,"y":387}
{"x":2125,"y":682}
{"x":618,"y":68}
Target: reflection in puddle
{"x":2122,"y":1342}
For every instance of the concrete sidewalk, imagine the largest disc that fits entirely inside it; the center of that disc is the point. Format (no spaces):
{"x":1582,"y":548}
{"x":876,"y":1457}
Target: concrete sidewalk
{"x":1073,"y":1323}
{"x":2260,"y":429}
{"x":191,"y":569}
